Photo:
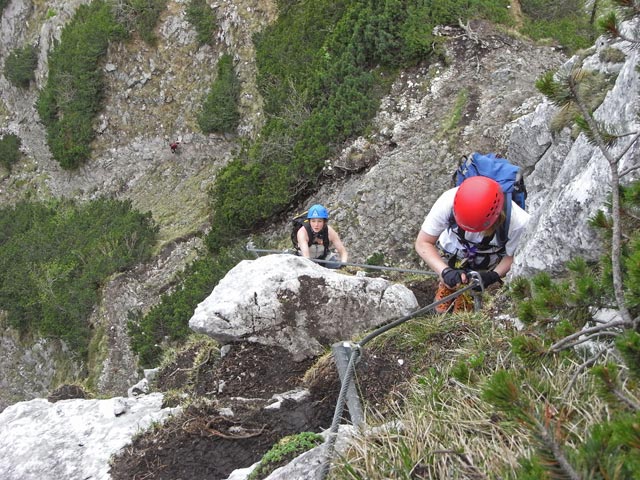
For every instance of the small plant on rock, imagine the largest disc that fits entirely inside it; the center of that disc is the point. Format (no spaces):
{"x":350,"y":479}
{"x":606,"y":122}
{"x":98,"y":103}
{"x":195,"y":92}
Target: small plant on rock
{"x":203,"y":19}
{"x":284,"y":451}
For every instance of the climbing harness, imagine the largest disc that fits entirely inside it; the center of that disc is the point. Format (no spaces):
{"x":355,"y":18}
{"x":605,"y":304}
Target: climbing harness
{"x":346,"y":377}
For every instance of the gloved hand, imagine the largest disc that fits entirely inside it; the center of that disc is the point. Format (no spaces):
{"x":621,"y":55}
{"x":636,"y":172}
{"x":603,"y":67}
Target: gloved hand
{"x":451,"y":277}
{"x":488,"y":277}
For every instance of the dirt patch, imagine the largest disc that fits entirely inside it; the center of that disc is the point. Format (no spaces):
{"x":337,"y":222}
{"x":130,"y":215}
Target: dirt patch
{"x":66,"y":392}
{"x":228,"y":427}
{"x":424,"y":290}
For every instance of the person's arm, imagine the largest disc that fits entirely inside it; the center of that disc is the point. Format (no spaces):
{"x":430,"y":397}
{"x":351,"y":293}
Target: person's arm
{"x":504,"y":265}
{"x":303,"y":242}
{"x":334,"y":239}
{"x":425,"y":246}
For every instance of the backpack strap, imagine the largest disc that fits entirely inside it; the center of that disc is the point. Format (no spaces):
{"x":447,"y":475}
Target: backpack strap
{"x":502,"y":234}
{"x":484,"y":247}
{"x":323,"y":234}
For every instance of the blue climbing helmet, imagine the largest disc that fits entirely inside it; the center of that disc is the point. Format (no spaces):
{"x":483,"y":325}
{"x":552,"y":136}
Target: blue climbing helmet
{"x":318,"y":211}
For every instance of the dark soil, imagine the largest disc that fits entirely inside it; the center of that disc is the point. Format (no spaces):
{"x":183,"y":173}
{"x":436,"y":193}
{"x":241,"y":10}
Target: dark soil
{"x":66,"y":392}
{"x":205,"y":442}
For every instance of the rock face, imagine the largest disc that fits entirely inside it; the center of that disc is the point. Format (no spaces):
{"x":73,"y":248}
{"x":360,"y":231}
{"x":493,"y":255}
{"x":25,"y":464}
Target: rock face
{"x":294,"y":303}
{"x":71,"y":438}
{"x":416,"y":145}
{"x":30,"y":371}
{"x":570,"y":180}
{"x":152,"y":96}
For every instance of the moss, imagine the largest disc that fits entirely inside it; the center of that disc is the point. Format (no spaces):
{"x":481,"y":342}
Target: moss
{"x":284,"y":451}
{"x":97,"y":352}
{"x":452,"y":123}
{"x":612,"y":55}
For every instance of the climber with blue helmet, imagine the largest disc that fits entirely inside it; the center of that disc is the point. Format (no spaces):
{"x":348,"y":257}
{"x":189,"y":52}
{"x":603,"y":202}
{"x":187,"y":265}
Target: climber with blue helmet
{"x":315,"y":238}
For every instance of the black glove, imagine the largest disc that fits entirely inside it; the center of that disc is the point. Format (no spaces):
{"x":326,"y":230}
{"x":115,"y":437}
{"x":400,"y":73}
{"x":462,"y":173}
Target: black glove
{"x":488,"y":278}
{"x":451,"y":277}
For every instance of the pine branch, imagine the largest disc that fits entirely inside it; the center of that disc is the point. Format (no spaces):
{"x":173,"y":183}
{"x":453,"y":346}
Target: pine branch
{"x":622,"y":154}
{"x":609,"y":139}
{"x":555,"y":90}
{"x":616,"y":247}
{"x":628,"y":8}
{"x":611,"y":386}
{"x":632,"y":403}
{"x":561,"y":344}
{"x":549,"y":441}
{"x":591,"y":337}
{"x":609,"y":26}
{"x":504,"y":391}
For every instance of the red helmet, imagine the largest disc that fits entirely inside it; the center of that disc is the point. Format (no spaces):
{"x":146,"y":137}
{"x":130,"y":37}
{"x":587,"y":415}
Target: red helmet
{"x":477,"y":204}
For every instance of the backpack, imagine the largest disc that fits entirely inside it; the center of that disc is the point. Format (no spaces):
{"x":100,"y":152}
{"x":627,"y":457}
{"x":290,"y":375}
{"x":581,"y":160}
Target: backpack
{"x":301,"y":220}
{"x":508,"y":175}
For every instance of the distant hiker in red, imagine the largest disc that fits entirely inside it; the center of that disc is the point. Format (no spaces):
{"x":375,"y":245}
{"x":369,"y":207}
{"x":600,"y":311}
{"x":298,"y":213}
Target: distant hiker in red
{"x":174,"y":146}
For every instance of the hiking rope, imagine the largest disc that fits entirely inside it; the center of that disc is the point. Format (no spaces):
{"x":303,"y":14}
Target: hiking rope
{"x":346,"y":264}
{"x":356,"y":351}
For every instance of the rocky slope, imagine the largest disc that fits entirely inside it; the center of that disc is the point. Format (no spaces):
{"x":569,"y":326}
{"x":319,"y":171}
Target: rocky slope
{"x":153,"y":96}
{"x":378,"y":187}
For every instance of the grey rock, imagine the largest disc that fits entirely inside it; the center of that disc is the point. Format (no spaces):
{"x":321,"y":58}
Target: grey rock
{"x":71,"y":438}
{"x":296,"y":304}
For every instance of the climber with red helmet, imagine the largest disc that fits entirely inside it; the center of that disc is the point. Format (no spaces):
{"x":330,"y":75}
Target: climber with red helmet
{"x":316,"y":237}
{"x":465,"y":231}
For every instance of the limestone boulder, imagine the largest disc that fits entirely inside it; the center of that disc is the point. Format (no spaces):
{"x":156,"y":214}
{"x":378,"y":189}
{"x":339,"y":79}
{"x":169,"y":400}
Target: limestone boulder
{"x":71,"y":438}
{"x":296,"y":304}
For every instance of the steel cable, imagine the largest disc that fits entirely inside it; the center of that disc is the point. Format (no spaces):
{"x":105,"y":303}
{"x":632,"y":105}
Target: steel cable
{"x":355,"y":354}
{"x":356,"y":350}
{"x":346,"y":264}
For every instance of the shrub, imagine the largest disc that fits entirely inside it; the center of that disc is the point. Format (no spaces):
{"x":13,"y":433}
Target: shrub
{"x":9,"y":150}
{"x":20,"y":66}
{"x":220,"y":110}
{"x":55,"y":257}
{"x":140,"y":16}
{"x":203,"y":19}
{"x":74,"y":89}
